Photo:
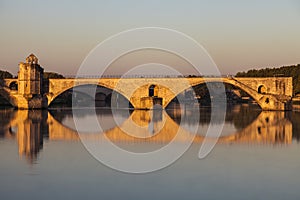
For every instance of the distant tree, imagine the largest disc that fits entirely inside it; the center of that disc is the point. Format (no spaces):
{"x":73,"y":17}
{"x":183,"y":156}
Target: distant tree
{"x":5,"y":74}
{"x":52,"y":75}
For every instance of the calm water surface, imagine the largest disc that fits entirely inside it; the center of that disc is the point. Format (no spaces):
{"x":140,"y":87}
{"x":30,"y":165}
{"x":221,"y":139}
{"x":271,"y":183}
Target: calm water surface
{"x":257,"y":156}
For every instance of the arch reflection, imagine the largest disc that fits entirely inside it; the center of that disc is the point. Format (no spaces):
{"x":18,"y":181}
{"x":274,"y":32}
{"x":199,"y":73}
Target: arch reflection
{"x":30,"y":128}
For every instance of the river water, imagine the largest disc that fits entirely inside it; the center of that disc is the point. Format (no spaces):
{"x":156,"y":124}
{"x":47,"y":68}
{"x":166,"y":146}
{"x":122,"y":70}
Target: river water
{"x":256,"y":157}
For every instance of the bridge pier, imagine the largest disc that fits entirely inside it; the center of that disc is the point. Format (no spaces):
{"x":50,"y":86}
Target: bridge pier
{"x":273,"y":102}
{"x":29,"y":102}
{"x":147,"y":103}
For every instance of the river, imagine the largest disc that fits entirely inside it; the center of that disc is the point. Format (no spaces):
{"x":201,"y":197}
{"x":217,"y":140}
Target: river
{"x":256,"y":157}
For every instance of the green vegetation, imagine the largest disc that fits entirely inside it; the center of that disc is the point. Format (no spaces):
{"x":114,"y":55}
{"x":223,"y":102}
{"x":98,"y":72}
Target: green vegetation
{"x":47,"y":75}
{"x":5,"y":74}
{"x":285,"y":71}
{"x":52,"y":75}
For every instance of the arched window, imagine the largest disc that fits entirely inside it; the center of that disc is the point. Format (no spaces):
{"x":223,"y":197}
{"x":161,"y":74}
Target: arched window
{"x":13,"y":85}
{"x":262,"y":89}
{"x":153,"y":91}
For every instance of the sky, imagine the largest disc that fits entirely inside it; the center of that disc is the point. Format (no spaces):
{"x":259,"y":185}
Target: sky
{"x":238,"y":35}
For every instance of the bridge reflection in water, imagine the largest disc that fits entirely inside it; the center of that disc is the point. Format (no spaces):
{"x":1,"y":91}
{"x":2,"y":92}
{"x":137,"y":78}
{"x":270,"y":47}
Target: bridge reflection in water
{"x":31,"y":128}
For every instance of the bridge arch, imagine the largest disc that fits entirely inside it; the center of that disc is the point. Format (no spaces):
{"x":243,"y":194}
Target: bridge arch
{"x":55,"y":94}
{"x":261,"y":89}
{"x":5,"y":93}
{"x":260,"y":98}
{"x":13,"y":85}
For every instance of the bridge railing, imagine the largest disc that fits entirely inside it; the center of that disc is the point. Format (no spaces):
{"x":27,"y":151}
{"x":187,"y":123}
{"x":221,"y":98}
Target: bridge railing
{"x":147,"y":76}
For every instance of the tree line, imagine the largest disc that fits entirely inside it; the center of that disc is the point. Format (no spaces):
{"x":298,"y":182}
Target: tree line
{"x":284,"y":71}
{"x":5,"y":74}
{"x":46,"y":75}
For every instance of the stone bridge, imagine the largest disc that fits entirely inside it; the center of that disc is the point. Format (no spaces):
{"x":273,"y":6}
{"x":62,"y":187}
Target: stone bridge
{"x":272,"y":93}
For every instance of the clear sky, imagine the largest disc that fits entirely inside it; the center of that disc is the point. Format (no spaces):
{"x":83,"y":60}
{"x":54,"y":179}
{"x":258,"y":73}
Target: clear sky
{"x":238,"y":35}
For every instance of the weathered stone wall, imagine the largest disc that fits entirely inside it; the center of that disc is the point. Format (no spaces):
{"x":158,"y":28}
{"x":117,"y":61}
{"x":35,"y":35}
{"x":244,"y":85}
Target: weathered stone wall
{"x":275,"y":96}
{"x":273,"y":85}
{"x":134,"y":89}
